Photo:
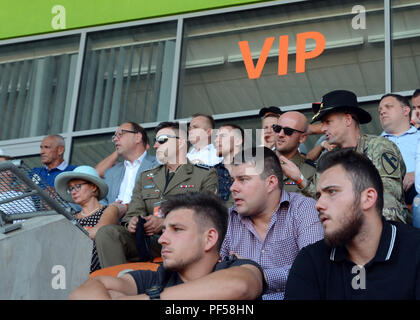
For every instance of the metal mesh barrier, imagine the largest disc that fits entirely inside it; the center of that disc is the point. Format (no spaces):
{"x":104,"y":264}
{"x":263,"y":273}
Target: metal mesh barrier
{"x":23,"y":195}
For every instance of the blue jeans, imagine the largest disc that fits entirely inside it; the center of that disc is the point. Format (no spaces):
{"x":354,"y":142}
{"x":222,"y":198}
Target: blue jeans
{"x":415,"y":208}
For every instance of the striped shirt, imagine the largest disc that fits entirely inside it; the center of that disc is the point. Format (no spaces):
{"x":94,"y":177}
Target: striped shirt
{"x":294,"y":225}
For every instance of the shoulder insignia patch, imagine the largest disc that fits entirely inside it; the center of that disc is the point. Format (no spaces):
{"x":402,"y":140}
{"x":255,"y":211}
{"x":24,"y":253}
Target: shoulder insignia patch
{"x":389,"y":162}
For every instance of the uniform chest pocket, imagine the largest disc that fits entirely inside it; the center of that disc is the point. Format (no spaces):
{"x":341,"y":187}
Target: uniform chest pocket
{"x":150,"y":194}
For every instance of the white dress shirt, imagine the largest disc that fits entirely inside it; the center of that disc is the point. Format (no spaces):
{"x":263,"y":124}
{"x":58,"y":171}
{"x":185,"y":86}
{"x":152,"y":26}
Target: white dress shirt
{"x":207,"y":156}
{"x":129,"y":180}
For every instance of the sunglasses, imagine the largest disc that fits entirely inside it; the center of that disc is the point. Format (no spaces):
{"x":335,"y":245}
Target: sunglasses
{"x":76,"y":187}
{"x":287,"y":131}
{"x":164,"y":138}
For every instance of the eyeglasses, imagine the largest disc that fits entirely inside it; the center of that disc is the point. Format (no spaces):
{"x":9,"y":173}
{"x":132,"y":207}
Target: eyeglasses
{"x":164,"y":138}
{"x":76,"y":187}
{"x":287,"y":131}
{"x":119,"y":134}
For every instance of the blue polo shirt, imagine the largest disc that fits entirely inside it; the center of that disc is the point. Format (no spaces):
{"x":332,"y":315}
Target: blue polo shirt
{"x":47,"y":175}
{"x":407,"y":143}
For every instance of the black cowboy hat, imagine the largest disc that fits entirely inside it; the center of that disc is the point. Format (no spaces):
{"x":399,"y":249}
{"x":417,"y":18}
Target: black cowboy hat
{"x":339,"y":101}
{"x":272,"y":109}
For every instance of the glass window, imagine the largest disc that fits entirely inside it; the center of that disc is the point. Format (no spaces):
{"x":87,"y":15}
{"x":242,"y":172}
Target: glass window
{"x":405,"y":45}
{"x":127,"y":76}
{"x":214,"y":79}
{"x":36,"y":85}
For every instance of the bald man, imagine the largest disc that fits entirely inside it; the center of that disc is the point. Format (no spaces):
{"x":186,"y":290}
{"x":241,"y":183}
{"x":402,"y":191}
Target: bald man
{"x":52,"y":157}
{"x":291,"y":131}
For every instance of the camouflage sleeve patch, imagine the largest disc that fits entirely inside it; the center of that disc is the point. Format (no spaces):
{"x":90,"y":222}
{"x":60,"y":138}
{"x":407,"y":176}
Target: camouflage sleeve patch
{"x":390,"y":162}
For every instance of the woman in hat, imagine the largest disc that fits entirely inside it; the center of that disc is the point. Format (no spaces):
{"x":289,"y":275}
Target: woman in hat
{"x":84,"y":187}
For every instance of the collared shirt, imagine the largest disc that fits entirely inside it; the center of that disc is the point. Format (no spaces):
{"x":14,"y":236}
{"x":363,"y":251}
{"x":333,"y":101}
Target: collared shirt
{"x":207,"y":156}
{"x":407,"y":143}
{"x":293,"y":225}
{"x":44,"y":174}
{"x":321,"y":272}
{"x":129,"y":180}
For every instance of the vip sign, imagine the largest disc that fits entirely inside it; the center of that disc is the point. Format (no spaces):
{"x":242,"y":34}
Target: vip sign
{"x":254,"y":72}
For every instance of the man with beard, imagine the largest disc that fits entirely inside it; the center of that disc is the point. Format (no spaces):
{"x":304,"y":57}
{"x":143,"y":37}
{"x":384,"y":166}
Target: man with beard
{"x":136,"y":237}
{"x":362,"y":256}
{"x":291,"y":131}
{"x":193,"y":231}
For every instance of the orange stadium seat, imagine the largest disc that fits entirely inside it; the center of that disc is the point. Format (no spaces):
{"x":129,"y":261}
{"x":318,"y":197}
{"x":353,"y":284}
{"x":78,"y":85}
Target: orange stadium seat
{"x":118,"y":269}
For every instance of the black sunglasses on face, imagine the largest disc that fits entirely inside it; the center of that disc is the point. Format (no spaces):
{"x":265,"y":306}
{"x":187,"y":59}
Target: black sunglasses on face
{"x":164,"y":138}
{"x":287,"y":131}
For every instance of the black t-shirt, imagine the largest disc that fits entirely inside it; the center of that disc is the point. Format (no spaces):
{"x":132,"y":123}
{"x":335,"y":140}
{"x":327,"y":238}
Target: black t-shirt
{"x":146,"y":279}
{"x":320,"y":272}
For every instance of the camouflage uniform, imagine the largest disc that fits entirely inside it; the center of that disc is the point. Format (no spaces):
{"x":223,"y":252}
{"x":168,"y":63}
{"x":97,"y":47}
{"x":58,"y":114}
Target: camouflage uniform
{"x":306,"y":168}
{"x":387,"y":158}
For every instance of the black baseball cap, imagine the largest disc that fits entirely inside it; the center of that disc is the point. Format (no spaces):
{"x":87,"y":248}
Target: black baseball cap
{"x":272,"y":109}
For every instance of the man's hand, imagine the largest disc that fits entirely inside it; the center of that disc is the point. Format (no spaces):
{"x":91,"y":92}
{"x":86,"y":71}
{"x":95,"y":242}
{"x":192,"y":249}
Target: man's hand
{"x":408,"y":180}
{"x":290,"y":170}
{"x":153,"y":225}
{"x":328,"y":146}
{"x":132,"y":224}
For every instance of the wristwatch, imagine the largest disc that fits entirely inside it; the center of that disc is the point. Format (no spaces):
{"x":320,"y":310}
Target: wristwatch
{"x":154,"y":292}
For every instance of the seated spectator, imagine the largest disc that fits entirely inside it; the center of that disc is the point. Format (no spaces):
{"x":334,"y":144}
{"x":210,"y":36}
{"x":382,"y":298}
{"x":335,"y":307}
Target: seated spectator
{"x":290,"y":133}
{"x":193,"y":230}
{"x":84,"y":187}
{"x":362,"y":256}
{"x":228,"y":142}
{"x":52,"y":151}
{"x":199,"y":135}
{"x":269,"y":117}
{"x":137,"y":234}
{"x":268,"y":137}
{"x":415,"y":113}
{"x":394,"y":114}
{"x":267,"y":224}
{"x":130,"y":141}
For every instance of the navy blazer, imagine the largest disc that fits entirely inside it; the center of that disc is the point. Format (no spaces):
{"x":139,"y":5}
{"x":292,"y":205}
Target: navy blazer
{"x":115,"y":175}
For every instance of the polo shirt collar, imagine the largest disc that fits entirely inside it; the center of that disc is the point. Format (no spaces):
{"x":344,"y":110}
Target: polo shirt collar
{"x":409,"y":131}
{"x":385,"y":247}
{"x":62,"y":166}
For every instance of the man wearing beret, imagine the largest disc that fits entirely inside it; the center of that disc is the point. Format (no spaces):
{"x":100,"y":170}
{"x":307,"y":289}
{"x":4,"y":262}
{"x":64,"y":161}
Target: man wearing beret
{"x":340,"y":115}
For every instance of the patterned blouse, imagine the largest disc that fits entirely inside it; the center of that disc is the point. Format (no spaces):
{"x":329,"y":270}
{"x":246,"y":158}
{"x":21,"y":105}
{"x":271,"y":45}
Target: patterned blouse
{"x":91,"y":221}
